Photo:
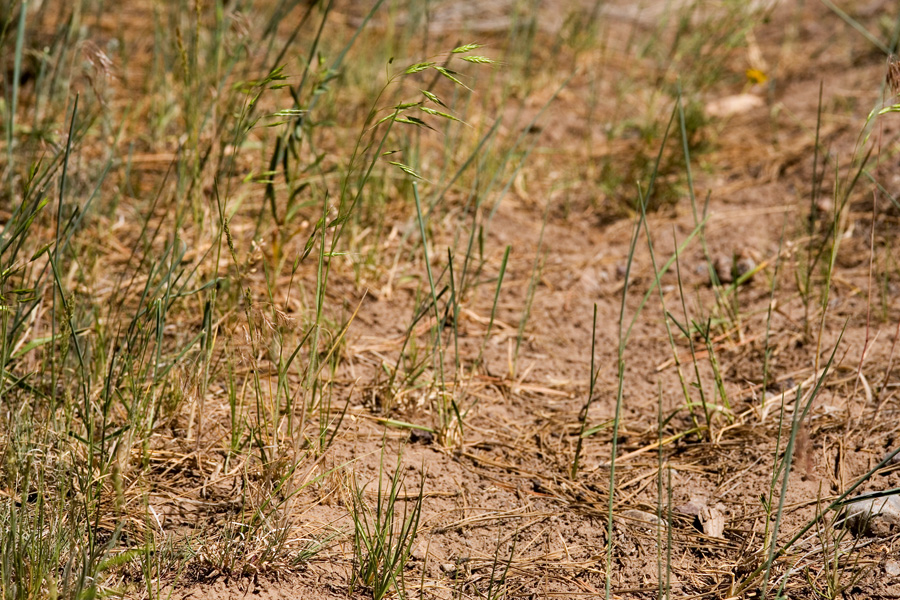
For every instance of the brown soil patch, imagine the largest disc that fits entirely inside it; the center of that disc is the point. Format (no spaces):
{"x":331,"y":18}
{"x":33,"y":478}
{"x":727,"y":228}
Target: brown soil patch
{"x":501,"y":514}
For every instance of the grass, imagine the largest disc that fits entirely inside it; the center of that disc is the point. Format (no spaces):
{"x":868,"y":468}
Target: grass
{"x":255,"y":255}
{"x":383,"y":535}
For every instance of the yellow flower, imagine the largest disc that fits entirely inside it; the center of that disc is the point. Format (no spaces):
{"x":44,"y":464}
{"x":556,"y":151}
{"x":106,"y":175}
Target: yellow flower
{"x":756,"y":76}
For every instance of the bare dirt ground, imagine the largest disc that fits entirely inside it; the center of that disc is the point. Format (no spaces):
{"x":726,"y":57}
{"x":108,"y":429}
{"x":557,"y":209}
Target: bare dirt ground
{"x":503,"y":497}
{"x":501,"y":513}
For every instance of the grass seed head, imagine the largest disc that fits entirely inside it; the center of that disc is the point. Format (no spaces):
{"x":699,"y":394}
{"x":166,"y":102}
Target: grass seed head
{"x":893,"y":75}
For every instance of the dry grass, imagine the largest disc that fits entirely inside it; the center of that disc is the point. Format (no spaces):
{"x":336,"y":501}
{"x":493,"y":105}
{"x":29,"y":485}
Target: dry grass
{"x":290,"y":310}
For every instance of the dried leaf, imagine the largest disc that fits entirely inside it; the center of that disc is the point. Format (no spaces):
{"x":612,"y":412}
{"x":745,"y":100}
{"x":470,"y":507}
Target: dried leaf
{"x":713,"y":521}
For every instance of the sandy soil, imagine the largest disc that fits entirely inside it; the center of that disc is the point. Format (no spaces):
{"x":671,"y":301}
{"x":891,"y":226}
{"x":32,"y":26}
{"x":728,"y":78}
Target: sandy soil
{"x":500,"y":503}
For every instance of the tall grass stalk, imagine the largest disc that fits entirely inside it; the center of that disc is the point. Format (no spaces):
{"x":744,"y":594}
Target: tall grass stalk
{"x":664,"y":518}
{"x":14,"y":100}
{"x":450,"y":422}
{"x":583,"y":417}
{"x":487,"y":333}
{"x":620,"y":392}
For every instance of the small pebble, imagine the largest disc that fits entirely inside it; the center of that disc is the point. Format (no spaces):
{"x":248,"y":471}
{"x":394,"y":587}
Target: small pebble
{"x":895,"y":459}
{"x":419,"y":552}
{"x":641,"y":518}
{"x":878,"y":517}
{"x":731,"y":268}
{"x":693,"y":506}
{"x":892,"y":568}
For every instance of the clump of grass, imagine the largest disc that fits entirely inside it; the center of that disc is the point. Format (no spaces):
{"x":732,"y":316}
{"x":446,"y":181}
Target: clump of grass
{"x":104,"y":376}
{"x":384,"y":533}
